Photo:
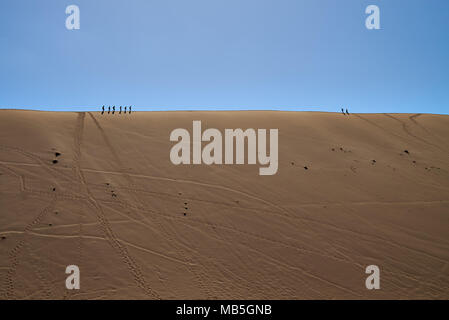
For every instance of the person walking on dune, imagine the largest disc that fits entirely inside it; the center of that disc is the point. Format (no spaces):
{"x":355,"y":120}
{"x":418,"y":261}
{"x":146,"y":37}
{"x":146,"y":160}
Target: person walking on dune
{"x":342,"y":111}
{"x":347,"y":112}
{"x":120,"y":112}
{"x":109,"y":109}
{"x":113,"y":109}
{"x":102,"y":111}
{"x":125,"y":109}
{"x":129,"y":109}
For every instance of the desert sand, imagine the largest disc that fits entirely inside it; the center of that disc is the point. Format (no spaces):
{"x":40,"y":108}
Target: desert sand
{"x":375,"y":192}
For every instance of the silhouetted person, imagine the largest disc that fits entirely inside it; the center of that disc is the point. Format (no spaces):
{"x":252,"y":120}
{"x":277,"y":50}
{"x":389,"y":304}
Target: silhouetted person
{"x":109,"y":109}
{"x":120,"y":110}
{"x":102,"y":111}
{"x":113,"y":109}
{"x":125,"y":109}
{"x":342,"y":111}
{"x":129,"y":109}
{"x":347,"y":112}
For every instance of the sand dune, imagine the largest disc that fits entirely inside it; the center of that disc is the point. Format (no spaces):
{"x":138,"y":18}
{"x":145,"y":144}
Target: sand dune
{"x":375,"y":192}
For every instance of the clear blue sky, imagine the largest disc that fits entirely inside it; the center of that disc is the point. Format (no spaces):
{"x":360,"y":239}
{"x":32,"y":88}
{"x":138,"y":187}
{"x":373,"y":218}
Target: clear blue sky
{"x":226,"y":54}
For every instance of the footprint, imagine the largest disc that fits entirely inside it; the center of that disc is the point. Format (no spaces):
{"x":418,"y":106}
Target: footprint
{"x":345,"y":151}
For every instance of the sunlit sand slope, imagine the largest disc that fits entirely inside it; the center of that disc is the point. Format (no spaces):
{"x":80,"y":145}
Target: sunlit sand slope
{"x":351,"y":191}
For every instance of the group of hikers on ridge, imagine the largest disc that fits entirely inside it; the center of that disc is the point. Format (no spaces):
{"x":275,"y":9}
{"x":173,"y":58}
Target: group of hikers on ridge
{"x":113,"y":109}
